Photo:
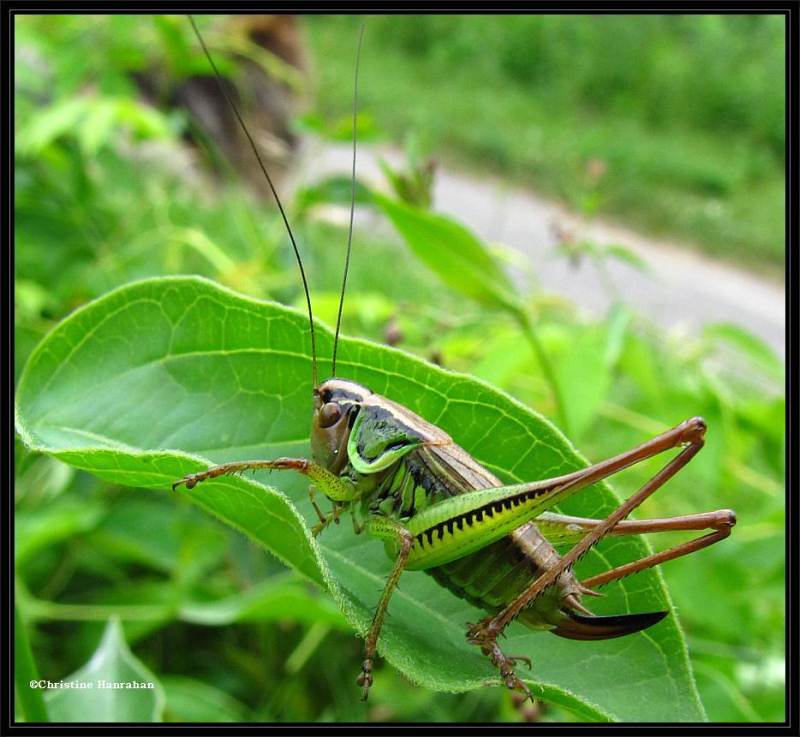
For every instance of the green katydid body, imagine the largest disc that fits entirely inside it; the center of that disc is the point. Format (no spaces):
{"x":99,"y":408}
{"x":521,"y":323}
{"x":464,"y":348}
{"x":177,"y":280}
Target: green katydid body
{"x":481,"y":546}
{"x":438,"y":510}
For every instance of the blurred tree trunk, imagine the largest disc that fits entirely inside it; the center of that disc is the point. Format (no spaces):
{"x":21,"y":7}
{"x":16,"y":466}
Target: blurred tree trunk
{"x":267,"y":86}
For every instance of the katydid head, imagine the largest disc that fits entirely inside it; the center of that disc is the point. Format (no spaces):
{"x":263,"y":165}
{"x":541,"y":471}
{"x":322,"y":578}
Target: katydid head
{"x":336,"y":403}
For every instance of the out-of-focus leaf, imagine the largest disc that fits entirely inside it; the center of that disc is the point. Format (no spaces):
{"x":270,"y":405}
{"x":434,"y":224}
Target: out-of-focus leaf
{"x":43,"y":478}
{"x":457,"y":257}
{"x":748,"y":343}
{"x":585,"y":377}
{"x":172,"y":31}
{"x":336,"y":190}
{"x":97,"y":126}
{"x":619,"y":319}
{"x":627,"y":256}
{"x":370,"y":308}
{"x":723,"y":698}
{"x":30,"y":298}
{"x":35,"y":529}
{"x":190,"y":700}
{"x":49,"y":124}
{"x":286,"y":600}
{"x":29,"y":698}
{"x":165,"y":537}
{"x":112,"y":663}
{"x":503,"y":355}
{"x":91,"y":121}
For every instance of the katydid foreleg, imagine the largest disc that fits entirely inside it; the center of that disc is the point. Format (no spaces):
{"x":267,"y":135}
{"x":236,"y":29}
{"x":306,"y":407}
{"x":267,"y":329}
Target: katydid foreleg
{"x":336,"y":488}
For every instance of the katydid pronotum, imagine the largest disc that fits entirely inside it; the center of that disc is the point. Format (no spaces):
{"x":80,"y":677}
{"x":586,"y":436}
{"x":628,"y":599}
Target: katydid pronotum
{"x":437,"y":509}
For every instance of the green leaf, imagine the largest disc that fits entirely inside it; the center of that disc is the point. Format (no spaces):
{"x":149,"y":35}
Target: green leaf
{"x":111,"y":663}
{"x":334,"y":190}
{"x":268,"y":601}
{"x":190,"y":700}
{"x":585,"y":367}
{"x":48,"y":525}
{"x":750,"y":345}
{"x":164,"y":376}
{"x":31,"y":703}
{"x":458,"y":258}
{"x":47,"y":126}
{"x":626,"y":255}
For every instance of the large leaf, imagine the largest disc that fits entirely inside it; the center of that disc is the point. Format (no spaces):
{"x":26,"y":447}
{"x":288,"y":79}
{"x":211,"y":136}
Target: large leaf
{"x":161,"y":377}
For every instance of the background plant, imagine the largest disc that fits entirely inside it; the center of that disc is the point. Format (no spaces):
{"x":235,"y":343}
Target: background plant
{"x":228,"y":633}
{"x":685,"y":112}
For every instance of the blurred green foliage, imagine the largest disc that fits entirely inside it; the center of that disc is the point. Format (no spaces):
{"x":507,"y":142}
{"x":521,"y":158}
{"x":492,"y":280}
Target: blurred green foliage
{"x":105,"y":194}
{"x":684,"y":112}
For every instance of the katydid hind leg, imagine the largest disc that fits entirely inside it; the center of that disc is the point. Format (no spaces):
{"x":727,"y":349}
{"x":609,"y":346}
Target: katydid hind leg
{"x":448,"y":526}
{"x":678,"y":551}
{"x":563,"y":527}
{"x":578,"y":627}
{"x":689,"y":436}
{"x":559,"y":528}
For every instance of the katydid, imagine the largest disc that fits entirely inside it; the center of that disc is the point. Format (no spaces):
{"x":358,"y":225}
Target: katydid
{"x":437,"y":509}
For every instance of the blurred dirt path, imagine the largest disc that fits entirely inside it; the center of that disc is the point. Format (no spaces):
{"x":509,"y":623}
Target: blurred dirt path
{"x":681,"y":289}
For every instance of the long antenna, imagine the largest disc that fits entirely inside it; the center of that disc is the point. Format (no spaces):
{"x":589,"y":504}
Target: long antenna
{"x":352,"y":205}
{"x":274,"y":194}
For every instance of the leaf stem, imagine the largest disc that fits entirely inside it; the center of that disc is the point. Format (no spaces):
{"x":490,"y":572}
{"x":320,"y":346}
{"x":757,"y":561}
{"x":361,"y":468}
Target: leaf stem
{"x":523,"y":319}
{"x":25,"y":673}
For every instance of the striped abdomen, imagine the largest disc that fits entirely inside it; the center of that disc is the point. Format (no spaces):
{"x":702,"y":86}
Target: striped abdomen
{"x":494,"y":574}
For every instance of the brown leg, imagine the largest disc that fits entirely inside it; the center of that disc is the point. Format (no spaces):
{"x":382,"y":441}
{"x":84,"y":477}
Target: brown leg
{"x":191,"y":480}
{"x":385,"y":529}
{"x":692,"y":546}
{"x":322,"y":518}
{"x":560,"y":528}
{"x":689,"y":434}
{"x":336,"y":488}
{"x":324,"y":521}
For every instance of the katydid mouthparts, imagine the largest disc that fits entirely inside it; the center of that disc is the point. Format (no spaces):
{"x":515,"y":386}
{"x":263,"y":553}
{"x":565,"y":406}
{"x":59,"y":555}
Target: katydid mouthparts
{"x":407,"y":483}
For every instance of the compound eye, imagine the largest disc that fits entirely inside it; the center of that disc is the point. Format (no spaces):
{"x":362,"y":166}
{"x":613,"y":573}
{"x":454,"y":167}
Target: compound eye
{"x":329,"y":414}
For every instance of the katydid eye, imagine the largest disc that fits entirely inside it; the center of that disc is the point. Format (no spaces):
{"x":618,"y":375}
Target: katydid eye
{"x":329,"y":414}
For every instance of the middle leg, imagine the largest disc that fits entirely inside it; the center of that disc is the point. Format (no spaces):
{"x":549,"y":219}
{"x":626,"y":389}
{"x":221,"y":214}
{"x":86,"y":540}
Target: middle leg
{"x":384,"y":529}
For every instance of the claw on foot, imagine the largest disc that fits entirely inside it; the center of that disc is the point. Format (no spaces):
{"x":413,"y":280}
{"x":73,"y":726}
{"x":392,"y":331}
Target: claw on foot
{"x":513,"y":659}
{"x":506,"y":667}
{"x":365,"y":679}
{"x":484,"y":636}
{"x":190,"y":480}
